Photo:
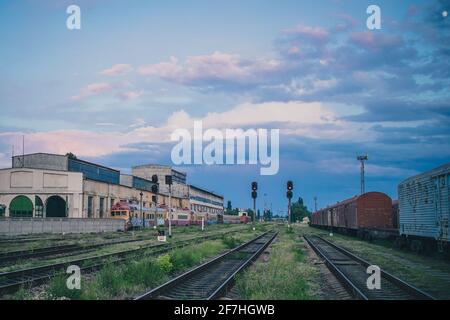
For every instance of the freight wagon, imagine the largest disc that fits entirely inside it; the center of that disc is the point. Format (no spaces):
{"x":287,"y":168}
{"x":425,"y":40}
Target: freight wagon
{"x":424,"y":209}
{"x":368,"y":215}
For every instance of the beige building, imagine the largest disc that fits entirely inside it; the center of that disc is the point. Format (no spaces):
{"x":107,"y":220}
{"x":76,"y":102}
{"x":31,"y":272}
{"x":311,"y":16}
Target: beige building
{"x":195,"y":198}
{"x":179,"y":186}
{"x":74,"y":188}
{"x":202,"y":200}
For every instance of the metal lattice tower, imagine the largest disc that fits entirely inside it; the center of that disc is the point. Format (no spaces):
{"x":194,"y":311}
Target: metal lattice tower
{"x":362,"y":159}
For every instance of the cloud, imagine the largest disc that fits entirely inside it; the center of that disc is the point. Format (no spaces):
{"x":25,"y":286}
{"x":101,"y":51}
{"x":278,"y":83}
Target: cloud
{"x":130,"y":95}
{"x":116,"y":70}
{"x":296,"y":119}
{"x":369,"y":40}
{"x":316,"y":34}
{"x":346,"y":166}
{"x":93,"y":89}
{"x":378,"y":110}
{"x":216,"y":68}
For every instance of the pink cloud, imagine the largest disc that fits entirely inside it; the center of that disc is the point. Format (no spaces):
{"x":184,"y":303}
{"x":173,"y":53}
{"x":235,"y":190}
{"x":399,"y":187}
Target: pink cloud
{"x":130,"y":95}
{"x":92,"y":89}
{"x":313,"y":33}
{"x":370,"y":40}
{"x":117,"y":69}
{"x":217,"y":66}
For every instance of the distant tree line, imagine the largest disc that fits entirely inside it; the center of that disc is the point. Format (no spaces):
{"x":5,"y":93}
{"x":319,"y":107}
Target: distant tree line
{"x":299,"y":210}
{"x":267,"y":214}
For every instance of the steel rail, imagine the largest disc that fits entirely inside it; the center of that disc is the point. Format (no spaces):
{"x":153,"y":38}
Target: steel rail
{"x":226,"y":284}
{"x":173,"y":283}
{"x":406,"y":286}
{"x":13,"y":279}
{"x":350,"y":284}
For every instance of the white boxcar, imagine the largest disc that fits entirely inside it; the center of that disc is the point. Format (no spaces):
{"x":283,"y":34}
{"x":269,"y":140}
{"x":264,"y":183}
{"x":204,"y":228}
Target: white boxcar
{"x":424,"y":204}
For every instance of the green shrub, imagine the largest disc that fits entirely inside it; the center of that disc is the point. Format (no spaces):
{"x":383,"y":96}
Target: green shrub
{"x":147,"y":272}
{"x":164,"y":263}
{"x":184,"y":258}
{"x":22,"y":294}
{"x":58,"y":289}
{"x":230,"y":242}
{"x":111,"y":280}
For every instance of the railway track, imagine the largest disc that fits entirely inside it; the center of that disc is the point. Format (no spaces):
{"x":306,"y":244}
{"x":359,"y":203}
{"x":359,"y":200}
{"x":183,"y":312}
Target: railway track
{"x":212,"y":279}
{"x":9,"y":281}
{"x":351,"y":270}
{"x":10,"y":257}
{"x":69,"y":249}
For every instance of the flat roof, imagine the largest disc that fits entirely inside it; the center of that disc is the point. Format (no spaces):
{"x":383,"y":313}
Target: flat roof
{"x":158,"y":166}
{"x":442,"y":169}
{"x":66,"y":156}
{"x":206,"y":191}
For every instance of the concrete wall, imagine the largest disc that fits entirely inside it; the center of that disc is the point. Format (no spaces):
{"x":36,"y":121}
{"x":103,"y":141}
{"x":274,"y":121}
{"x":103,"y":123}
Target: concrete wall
{"x":126,"y":180}
{"x":179,"y":190}
{"x":41,"y":161}
{"x":115,"y":193}
{"x":200,"y":201}
{"x":42,"y":183}
{"x":18,"y":226}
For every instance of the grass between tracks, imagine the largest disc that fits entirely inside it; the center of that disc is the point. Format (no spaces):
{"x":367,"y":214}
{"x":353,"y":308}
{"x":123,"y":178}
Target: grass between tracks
{"x":126,"y":280}
{"x":182,"y":233}
{"x":285,"y":275}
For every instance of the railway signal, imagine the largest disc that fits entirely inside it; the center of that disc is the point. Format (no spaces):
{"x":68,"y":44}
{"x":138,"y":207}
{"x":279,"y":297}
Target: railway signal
{"x":155,"y":190}
{"x":290,"y":187}
{"x":254,"y":195}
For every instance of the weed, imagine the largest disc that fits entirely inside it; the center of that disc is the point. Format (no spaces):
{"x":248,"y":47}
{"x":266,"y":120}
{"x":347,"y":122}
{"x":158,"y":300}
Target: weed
{"x":58,"y":289}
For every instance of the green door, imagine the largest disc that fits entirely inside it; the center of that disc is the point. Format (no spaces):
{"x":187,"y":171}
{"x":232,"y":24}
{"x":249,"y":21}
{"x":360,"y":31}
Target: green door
{"x":21,"y":206}
{"x":56,"y":207}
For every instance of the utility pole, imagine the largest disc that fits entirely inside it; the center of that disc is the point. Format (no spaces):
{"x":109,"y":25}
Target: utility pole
{"x":290,"y":186}
{"x":23,"y":151}
{"x":315,"y":203}
{"x":362,"y":159}
{"x":140,"y":208}
{"x":169,"y":182}
{"x":265,"y":206}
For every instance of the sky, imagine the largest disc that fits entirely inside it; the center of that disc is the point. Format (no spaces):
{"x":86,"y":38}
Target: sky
{"x":113,"y":91}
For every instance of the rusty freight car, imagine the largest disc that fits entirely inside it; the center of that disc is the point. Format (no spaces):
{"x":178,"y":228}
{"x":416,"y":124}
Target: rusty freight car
{"x":368,"y":215}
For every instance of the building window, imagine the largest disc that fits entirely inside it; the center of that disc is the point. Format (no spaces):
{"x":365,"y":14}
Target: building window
{"x":90,"y":208}
{"x":21,"y":206}
{"x":39,"y":207}
{"x":102,"y":207}
{"x":112,"y":203}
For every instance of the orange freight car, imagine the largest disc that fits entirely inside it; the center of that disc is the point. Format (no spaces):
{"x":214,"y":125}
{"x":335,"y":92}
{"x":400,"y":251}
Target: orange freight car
{"x":369,"y":211}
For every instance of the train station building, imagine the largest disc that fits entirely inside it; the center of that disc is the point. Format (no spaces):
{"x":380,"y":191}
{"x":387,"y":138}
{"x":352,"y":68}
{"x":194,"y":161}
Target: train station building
{"x":200,"y":200}
{"x":50,"y":185}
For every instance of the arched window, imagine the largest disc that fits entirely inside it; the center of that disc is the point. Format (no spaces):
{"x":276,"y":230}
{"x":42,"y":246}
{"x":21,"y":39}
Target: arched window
{"x":20,"y":207}
{"x":56,"y":207}
{"x":38,"y":207}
